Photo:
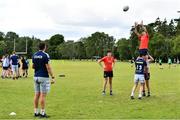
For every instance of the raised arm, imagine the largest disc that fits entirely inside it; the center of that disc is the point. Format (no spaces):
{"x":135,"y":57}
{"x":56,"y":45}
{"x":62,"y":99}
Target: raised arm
{"x":143,"y":27}
{"x":135,"y":30}
{"x":150,"y":58}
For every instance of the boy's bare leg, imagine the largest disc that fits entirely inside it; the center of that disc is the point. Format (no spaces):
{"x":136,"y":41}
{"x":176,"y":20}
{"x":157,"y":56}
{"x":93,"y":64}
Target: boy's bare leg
{"x":105,"y":84}
{"x":140,"y":90}
{"x":133,"y":90}
{"x":148,"y":87}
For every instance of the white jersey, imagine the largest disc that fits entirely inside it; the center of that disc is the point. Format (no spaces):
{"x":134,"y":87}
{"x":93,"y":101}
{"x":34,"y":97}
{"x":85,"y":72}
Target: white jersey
{"x":6,"y":62}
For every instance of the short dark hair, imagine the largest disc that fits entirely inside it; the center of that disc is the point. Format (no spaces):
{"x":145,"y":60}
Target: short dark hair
{"x":42,"y":45}
{"x":14,"y":52}
{"x":141,"y":55}
{"x":109,"y":51}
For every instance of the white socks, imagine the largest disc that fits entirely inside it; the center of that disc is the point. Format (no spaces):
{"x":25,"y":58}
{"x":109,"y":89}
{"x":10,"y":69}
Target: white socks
{"x":132,"y":94}
{"x":140,"y":95}
{"x":36,"y":110}
{"x":42,"y":111}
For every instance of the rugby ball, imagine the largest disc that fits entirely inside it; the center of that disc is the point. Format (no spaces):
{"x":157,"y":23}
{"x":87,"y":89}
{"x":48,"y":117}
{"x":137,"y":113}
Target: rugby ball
{"x":125,"y":8}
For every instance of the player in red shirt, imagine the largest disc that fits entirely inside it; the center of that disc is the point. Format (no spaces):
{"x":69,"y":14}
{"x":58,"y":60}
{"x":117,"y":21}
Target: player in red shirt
{"x":108,"y":66}
{"x":144,"y":39}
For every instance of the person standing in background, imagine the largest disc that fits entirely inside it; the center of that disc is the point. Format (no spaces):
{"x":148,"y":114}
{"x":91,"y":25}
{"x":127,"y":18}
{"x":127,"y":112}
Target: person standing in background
{"x":14,"y":65}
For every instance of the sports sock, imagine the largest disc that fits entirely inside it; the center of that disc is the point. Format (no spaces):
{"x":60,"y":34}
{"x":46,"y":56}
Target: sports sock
{"x":36,"y":110}
{"x":132,"y":93}
{"x":42,"y":111}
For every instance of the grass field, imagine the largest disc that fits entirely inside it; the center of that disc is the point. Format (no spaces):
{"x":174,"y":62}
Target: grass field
{"x":78,"y":95}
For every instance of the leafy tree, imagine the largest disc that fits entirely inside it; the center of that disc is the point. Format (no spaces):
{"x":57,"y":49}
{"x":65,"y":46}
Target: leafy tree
{"x":123,"y":48}
{"x":98,"y":43}
{"x":176,"y":48}
{"x":53,"y":42}
{"x":79,"y":48}
{"x":66,"y":50}
{"x":2,"y":48}
{"x":56,"y":40}
{"x":11,"y":36}
{"x":2,"y":35}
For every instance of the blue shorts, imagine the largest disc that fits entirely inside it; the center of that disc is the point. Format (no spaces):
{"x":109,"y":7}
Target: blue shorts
{"x":143,"y":51}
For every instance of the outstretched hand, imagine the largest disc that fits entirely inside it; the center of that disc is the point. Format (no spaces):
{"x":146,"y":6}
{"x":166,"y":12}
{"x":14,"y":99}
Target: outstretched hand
{"x":136,"y":24}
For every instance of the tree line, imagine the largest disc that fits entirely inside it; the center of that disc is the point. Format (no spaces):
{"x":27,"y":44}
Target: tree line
{"x":164,"y":42}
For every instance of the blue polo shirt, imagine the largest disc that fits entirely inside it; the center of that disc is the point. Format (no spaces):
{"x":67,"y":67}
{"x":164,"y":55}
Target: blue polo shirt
{"x":40,"y":59}
{"x":14,"y":59}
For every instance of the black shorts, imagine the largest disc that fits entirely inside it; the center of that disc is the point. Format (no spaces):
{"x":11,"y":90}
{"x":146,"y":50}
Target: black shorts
{"x":24,"y":67}
{"x":147,"y":76}
{"x":5,"y":68}
{"x":143,"y":51}
{"x":108,"y":74}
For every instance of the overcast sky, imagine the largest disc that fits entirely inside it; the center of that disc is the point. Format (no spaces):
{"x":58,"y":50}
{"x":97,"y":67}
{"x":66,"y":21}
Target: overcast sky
{"x":79,"y":18}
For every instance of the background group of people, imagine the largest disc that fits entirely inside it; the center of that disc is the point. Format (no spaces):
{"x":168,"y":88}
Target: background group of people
{"x":14,"y":66}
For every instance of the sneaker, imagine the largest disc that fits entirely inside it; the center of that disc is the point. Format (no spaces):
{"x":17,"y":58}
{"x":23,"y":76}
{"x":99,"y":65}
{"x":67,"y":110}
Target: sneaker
{"x":36,"y":114}
{"x":103,"y":93}
{"x":132,"y":97}
{"x":143,"y":94}
{"x":44,"y":116}
{"x":111,"y":93}
{"x":148,"y":94}
{"x":139,"y":98}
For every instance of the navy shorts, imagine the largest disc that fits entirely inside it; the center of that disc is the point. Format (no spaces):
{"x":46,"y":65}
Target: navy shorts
{"x":108,"y":74}
{"x":147,"y":76}
{"x":143,"y":51}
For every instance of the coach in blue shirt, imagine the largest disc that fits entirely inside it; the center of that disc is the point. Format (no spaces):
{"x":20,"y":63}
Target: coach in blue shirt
{"x":42,"y":70}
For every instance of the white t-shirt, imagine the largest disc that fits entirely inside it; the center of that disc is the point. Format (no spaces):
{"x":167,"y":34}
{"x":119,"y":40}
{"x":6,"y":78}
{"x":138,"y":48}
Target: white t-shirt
{"x":6,"y":62}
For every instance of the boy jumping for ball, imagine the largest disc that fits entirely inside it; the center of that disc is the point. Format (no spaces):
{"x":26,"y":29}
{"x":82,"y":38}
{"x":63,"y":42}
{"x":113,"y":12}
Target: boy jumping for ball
{"x":144,"y":39}
{"x":108,"y":66}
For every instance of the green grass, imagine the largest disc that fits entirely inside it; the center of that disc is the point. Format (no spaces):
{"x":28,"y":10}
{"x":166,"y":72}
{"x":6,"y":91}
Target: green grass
{"x":78,"y":95}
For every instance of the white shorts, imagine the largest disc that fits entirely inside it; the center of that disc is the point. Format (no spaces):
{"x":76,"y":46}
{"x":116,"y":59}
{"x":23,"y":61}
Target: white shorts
{"x":15,"y":69}
{"x":139,"y":78}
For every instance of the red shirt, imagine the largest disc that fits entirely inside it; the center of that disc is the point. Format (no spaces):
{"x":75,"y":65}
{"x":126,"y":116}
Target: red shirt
{"x":108,"y":63}
{"x":144,"y":40}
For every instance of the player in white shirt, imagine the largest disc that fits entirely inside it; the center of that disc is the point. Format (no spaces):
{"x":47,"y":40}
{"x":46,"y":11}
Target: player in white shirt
{"x":5,"y":65}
